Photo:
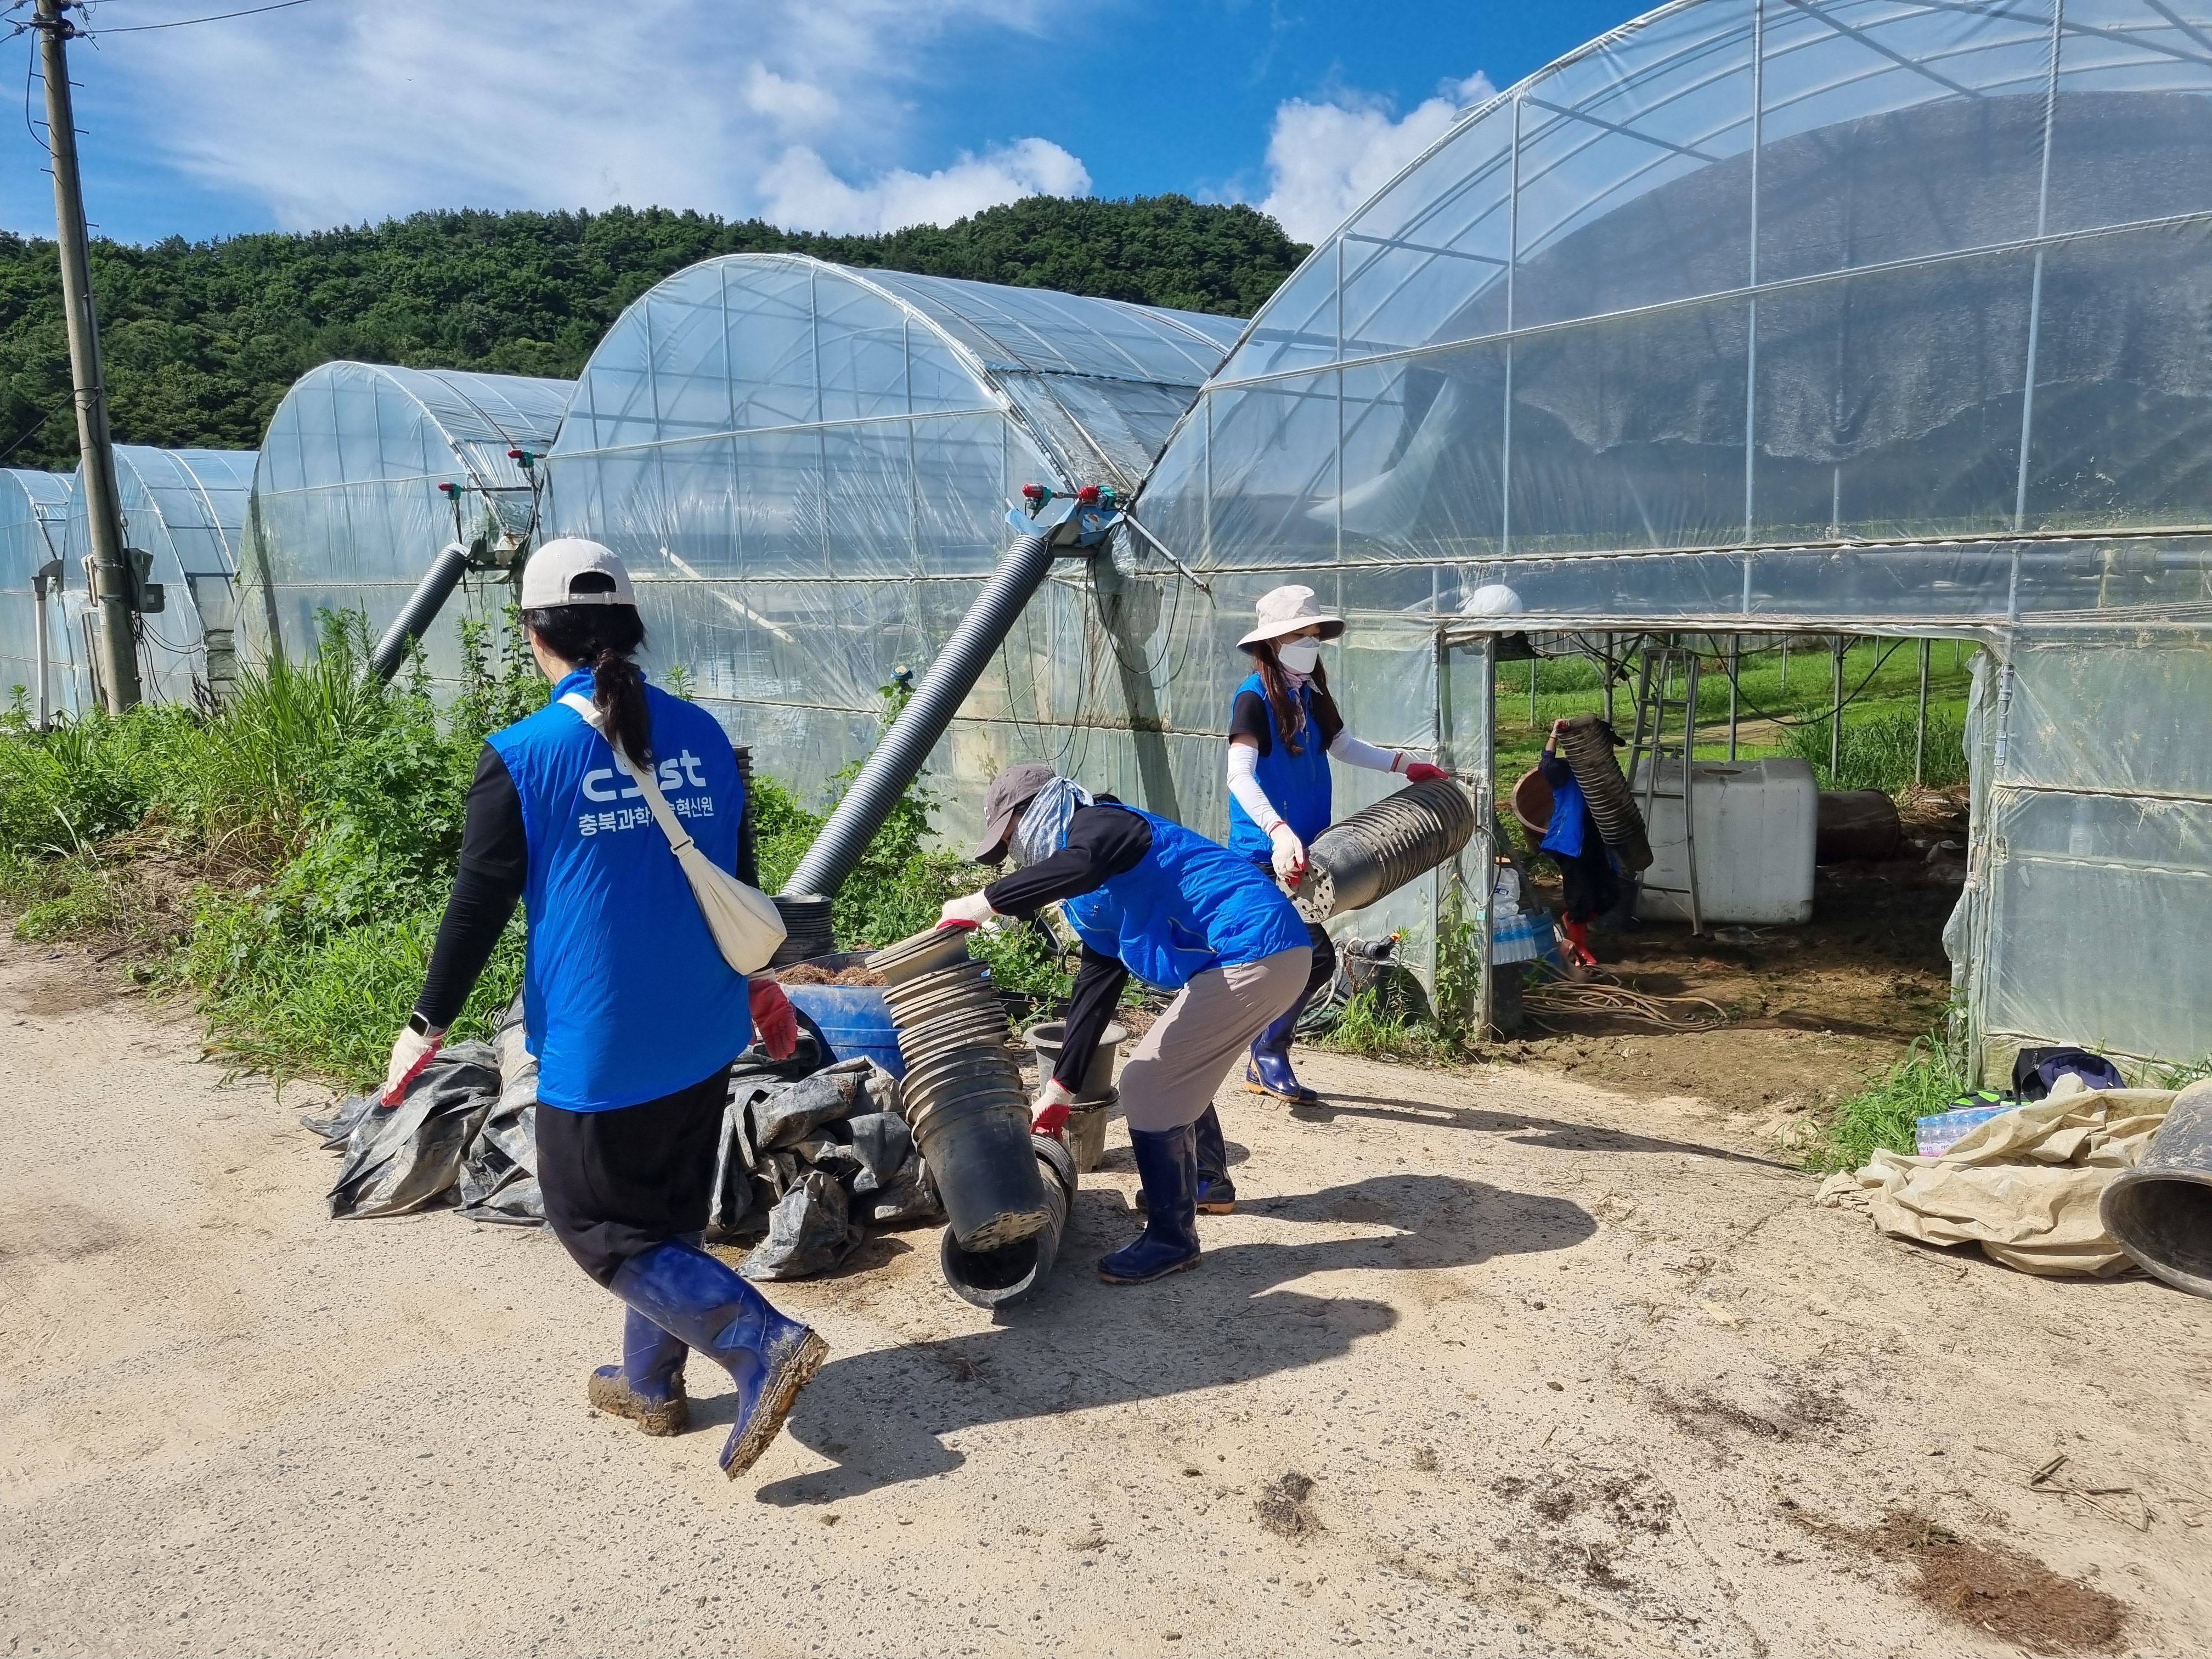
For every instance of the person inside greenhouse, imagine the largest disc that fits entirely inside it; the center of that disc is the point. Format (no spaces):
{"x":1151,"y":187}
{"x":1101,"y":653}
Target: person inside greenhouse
{"x":1284,"y":728}
{"x":1147,"y":897}
{"x":1586,"y":869}
{"x":632,"y":1013}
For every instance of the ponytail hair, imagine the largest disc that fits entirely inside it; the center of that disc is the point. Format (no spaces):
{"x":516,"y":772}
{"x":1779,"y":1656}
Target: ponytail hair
{"x":1289,"y":713}
{"x":602,"y":638}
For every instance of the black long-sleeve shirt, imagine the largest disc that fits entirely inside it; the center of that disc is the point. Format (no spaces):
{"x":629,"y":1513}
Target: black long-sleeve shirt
{"x":494,"y":865}
{"x":1104,"y":840}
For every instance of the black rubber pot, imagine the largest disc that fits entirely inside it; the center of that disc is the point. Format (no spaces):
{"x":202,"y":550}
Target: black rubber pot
{"x":998,"y":1278}
{"x":987,"y":1173}
{"x":2160,"y":1211}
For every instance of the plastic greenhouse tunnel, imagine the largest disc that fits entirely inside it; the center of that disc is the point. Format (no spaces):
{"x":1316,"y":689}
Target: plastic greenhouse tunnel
{"x":187,"y":508}
{"x":808,"y":470}
{"x":366,"y":473}
{"x":33,"y":513}
{"x":1756,"y":317}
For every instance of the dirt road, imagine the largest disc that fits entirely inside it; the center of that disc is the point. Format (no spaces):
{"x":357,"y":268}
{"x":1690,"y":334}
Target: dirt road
{"x":1488,"y":1363}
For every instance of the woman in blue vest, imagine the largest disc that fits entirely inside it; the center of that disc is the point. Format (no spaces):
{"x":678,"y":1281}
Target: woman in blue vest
{"x":1182,"y":913}
{"x":1283,"y":728}
{"x":628,"y":1003}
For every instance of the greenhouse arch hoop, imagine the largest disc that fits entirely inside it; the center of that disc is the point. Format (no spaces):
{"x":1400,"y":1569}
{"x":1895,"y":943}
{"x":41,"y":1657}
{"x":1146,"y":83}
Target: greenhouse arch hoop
{"x":348,"y":511}
{"x":187,"y":508}
{"x":807,"y":468}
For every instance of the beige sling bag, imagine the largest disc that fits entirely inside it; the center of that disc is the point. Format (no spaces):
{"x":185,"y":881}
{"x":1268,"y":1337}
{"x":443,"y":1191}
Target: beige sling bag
{"x":745,"y":921}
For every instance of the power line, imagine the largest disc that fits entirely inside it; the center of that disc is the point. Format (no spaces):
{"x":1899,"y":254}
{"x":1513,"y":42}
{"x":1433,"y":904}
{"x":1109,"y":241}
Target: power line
{"x":186,"y":22}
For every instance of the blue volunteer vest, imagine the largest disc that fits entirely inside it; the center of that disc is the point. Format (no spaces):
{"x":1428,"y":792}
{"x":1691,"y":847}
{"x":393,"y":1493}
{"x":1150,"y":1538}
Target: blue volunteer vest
{"x":1564,"y":835}
{"x":1190,"y":904}
{"x":625,"y":996}
{"x":1296,"y":785}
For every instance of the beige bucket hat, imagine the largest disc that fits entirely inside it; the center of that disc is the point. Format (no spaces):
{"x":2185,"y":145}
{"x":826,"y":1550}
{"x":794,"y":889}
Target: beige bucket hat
{"x":1287,"y":611}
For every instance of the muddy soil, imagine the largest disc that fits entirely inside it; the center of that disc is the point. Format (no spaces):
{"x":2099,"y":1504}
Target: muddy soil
{"x":1486,"y":1362}
{"x":1807,"y":1014}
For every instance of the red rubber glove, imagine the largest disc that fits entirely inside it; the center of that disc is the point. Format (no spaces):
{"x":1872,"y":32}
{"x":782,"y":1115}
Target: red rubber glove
{"x":775,"y":1021}
{"x":1048,"y":1111}
{"x":410,"y":1053}
{"x":1422,"y":772}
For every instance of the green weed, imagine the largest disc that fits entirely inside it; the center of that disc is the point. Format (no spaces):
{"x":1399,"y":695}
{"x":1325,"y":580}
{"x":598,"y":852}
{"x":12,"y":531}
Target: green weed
{"x":314,"y":821}
{"x":1882,"y":1114}
{"x":1876,"y":752}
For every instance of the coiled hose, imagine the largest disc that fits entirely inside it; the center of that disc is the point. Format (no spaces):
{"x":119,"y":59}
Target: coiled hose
{"x":1379,"y":848}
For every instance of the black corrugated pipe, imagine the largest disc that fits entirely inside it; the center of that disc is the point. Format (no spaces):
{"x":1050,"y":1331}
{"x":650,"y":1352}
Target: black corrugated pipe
{"x":421,"y":609}
{"x":907,"y":745}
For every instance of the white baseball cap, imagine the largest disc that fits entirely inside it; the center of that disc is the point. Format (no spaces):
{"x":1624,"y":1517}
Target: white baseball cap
{"x":548,"y":578}
{"x":1285,"y":610}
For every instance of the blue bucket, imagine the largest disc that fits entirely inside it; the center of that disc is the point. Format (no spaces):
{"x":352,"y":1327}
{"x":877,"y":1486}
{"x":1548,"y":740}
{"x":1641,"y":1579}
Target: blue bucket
{"x":855,"y":1020}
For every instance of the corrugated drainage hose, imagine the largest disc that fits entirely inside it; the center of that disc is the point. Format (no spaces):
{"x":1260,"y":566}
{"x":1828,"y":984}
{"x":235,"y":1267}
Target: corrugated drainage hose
{"x":1586,"y":745}
{"x":1379,"y":848}
{"x":421,"y":609}
{"x":945,"y":686}
{"x":962,"y":1096}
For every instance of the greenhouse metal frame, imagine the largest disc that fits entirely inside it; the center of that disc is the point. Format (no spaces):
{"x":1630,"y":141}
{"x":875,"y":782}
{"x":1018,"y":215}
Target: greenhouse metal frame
{"x":1869,"y":316}
{"x":348,"y":509}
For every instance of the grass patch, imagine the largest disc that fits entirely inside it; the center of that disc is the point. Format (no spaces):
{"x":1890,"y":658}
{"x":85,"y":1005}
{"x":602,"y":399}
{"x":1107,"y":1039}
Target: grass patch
{"x":1876,"y":751}
{"x":1882,"y":1114}
{"x":287,"y":859}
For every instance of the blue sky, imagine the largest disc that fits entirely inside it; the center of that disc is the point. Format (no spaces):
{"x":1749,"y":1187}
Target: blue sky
{"x":830,"y":114}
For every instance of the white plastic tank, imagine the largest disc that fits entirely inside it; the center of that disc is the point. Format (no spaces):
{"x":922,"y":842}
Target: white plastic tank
{"x":1756,"y":823}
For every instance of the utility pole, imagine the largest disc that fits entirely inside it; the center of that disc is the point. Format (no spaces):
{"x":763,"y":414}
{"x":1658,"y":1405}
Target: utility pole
{"x":118,"y":645}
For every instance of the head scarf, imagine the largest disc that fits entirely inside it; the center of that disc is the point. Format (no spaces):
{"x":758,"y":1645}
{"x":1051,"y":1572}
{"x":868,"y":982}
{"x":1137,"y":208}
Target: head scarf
{"x":1044,"y":829}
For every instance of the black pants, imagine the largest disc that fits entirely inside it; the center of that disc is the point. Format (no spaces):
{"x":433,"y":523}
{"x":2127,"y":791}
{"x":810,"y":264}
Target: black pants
{"x":616,"y":1183}
{"x":1587,"y":881}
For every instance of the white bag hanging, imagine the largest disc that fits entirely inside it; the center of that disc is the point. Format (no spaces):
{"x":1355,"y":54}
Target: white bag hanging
{"x":745,"y":921}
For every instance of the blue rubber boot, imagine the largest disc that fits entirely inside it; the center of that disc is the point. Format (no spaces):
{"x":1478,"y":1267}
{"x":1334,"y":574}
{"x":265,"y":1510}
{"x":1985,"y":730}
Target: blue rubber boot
{"x":1268,"y":1070}
{"x":647,"y":1385}
{"x":1217,"y":1193}
{"x":690,"y":1295}
{"x":1167,"y":1163}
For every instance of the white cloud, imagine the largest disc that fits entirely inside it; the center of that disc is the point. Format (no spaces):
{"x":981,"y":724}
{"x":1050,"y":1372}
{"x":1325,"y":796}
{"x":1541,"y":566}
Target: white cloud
{"x":800,"y":189}
{"x":1325,"y":159}
{"x":796,"y":105}
{"x":799,"y":111}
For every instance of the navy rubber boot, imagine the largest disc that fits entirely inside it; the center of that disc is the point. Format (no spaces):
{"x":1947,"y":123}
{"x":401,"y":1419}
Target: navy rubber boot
{"x":1268,"y":1070}
{"x":647,"y":1385}
{"x":1217,"y":1193}
{"x":690,"y":1295}
{"x":1167,"y":1163}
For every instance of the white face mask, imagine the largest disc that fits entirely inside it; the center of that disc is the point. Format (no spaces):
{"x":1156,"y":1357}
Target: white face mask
{"x":1299,"y":656}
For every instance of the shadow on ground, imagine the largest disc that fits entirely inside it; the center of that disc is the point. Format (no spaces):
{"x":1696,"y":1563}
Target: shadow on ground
{"x":1525,"y":1129}
{"x":883,"y":1416}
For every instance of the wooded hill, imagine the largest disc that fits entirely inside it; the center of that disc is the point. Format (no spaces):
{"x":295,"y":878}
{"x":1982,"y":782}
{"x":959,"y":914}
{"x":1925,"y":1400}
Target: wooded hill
{"x":202,"y":338}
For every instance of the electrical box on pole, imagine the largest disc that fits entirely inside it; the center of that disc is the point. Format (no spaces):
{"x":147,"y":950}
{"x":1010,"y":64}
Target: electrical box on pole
{"x":115,"y":581}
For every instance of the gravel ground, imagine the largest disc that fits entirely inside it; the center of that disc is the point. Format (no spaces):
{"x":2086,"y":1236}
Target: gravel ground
{"x":1488,"y":1362}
